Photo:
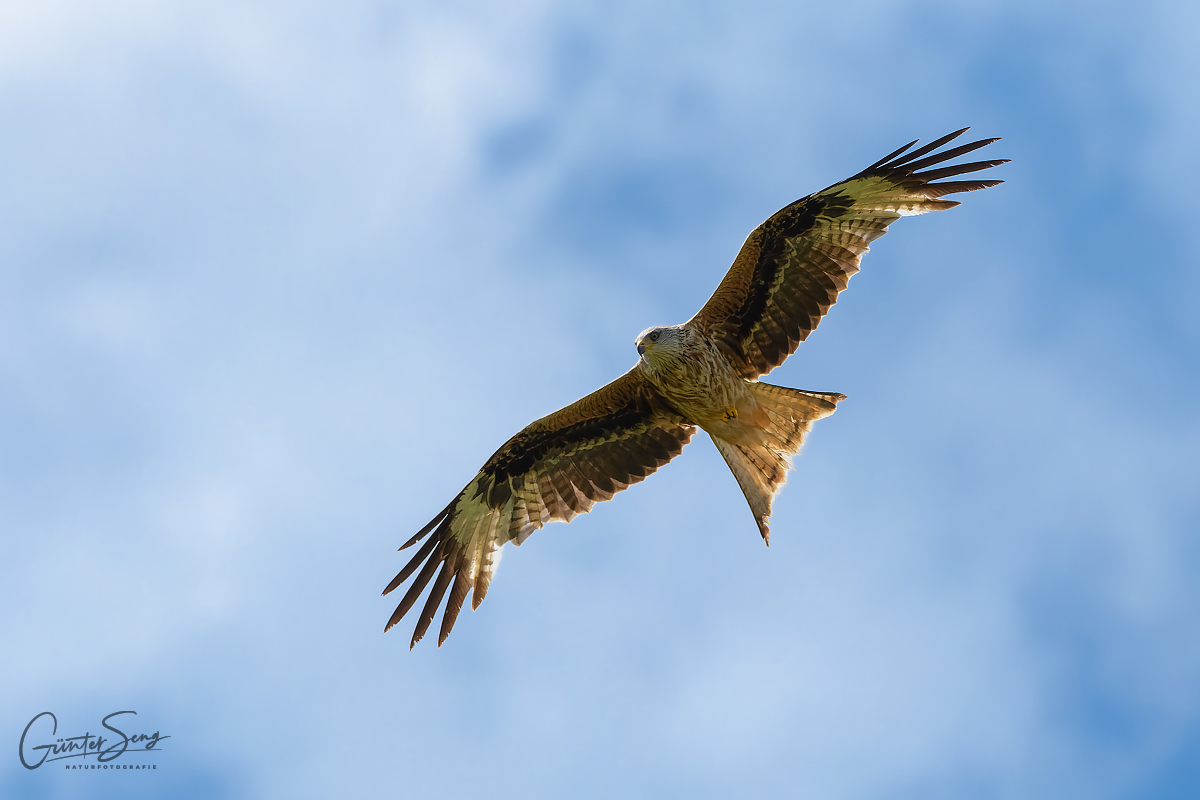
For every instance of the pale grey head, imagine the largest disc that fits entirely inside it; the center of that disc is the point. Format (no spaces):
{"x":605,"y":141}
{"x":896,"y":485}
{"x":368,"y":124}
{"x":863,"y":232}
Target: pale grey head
{"x":662,"y":344}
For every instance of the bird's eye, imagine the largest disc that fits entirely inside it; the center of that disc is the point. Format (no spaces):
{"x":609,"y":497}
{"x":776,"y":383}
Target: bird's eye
{"x":654,"y":336}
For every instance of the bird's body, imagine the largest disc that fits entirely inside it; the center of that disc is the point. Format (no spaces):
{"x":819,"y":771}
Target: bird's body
{"x":756,"y":426}
{"x":701,"y":374}
{"x":689,"y":370}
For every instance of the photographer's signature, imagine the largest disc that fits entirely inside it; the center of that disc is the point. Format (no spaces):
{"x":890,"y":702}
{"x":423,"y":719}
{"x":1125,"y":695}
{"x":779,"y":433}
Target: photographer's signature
{"x":44,"y":728}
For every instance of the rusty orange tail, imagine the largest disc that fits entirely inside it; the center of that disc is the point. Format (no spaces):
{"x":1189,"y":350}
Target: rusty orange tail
{"x":761,"y":469}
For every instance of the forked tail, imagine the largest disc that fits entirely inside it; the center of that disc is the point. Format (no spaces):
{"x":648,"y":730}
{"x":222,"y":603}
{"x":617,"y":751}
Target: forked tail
{"x":761,"y":469}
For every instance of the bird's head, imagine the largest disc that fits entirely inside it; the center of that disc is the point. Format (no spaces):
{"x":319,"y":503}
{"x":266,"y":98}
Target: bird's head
{"x":660,"y":345}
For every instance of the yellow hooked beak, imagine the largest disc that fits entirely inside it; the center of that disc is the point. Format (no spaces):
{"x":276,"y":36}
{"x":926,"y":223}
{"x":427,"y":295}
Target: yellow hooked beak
{"x":643,"y":347}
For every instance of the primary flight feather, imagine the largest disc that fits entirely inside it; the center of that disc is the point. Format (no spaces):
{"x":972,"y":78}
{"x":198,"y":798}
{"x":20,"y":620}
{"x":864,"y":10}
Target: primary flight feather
{"x":701,"y":374}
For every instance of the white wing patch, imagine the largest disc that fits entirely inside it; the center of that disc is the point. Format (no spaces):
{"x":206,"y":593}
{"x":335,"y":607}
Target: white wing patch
{"x":878,"y":198}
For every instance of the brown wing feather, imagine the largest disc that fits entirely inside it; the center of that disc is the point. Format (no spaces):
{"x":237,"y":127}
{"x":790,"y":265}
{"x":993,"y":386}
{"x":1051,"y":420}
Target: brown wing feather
{"x":555,"y":469}
{"x":793,"y":266}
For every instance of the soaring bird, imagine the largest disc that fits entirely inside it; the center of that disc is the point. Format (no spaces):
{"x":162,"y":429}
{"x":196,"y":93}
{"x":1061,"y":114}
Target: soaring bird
{"x":701,"y":374}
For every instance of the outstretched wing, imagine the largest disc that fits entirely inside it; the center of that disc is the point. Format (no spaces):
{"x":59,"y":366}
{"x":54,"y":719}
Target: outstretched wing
{"x":555,"y":469}
{"x":792,"y":267}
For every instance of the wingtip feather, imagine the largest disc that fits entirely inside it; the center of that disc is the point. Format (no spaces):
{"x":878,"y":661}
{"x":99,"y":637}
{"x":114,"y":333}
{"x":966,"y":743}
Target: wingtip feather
{"x":433,"y":523}
{"x":429,"y":610}
{"x":414,"y":562}
{"x":891,"y":155}
{"x":462,"y":585}
{"x":920,"y":151}
{"x":944,"y":155}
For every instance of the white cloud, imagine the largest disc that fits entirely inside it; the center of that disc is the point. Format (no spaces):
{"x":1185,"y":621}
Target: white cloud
{"x":271,"y":298}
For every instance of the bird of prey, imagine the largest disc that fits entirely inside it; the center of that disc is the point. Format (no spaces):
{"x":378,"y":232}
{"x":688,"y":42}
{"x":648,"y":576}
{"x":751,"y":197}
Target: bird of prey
{"x":701,"y":374}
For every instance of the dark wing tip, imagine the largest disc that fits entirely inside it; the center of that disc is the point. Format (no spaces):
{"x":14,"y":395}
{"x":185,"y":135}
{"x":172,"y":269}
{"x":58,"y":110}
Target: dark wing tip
{"x":462,"y":585}
{"x":433,"y":523}
{"x":904,"y":164}
{"x":920,"y":151}
{"x":441,"y":549}
{"x":945,"y":155}
{"x":438,"y":550}
{"x":935,"y":190}
{"x":911,"y":170}
{"x":891,"y":155}
{"x":449,"y":568}
{"x":413,"y":563}
{"x":932,"y":175}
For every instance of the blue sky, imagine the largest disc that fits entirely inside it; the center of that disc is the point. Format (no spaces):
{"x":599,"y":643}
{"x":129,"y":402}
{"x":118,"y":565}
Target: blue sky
{"x":276,"y":278}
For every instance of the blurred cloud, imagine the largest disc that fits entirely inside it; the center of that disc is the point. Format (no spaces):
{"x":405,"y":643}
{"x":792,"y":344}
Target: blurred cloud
{"x":276,"y":279}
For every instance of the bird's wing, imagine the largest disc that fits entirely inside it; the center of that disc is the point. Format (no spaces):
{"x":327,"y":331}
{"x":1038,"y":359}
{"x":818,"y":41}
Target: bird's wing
{"x":792,"y":267}
{"x":555,"y":469}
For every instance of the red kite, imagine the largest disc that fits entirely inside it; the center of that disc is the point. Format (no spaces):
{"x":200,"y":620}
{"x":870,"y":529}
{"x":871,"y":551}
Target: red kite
{"x":701,"y":374}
